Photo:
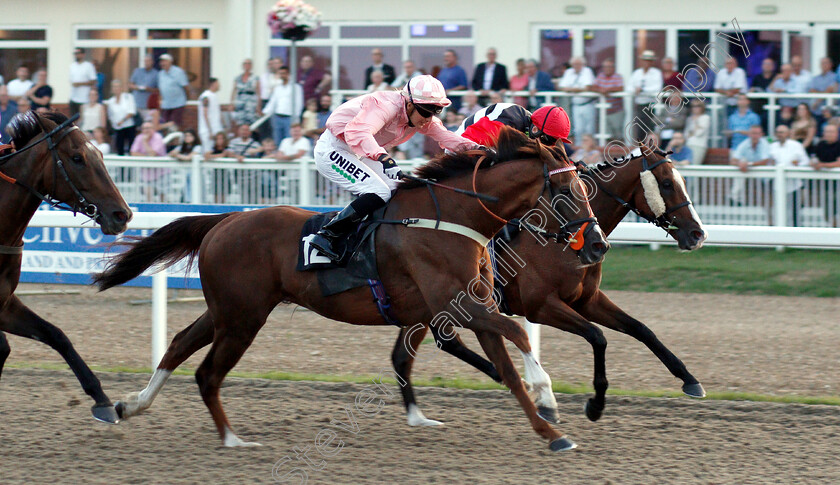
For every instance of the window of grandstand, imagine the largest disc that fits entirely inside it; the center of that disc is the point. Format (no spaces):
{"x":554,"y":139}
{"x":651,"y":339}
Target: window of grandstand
{"x":833,"y":46}
{"x":685,"y":40}
{"x":370,"y":32}
{"x":645,"y":39}
{"x":321,"y":56}
{"x":323,"y":32}
{"x":777,"y":44}
{"x":555,"y":50}
{"x":22,"y":46}
{"x":117,"y":51}
{"x":352,"y":73}
{"x":598,"y":45}
{"x":343,"y":49}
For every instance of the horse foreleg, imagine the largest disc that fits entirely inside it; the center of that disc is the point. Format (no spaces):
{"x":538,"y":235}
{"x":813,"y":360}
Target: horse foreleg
{"x":406,"y":347}
{"x":19,"y":320}
{"x":494,"y":347}
{"x":556,"y":313}
{"x":603,"y":311}
{"x":456,"y":347}
{"x":186,"y":343}
{"x":402,"y":357}
{"x":4,"y":351}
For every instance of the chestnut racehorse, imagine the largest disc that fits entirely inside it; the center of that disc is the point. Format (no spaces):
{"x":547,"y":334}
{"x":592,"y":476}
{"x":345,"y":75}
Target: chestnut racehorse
{"x":61,"y":163}
{"x":247,"y":263}
{"x":549,"y":287}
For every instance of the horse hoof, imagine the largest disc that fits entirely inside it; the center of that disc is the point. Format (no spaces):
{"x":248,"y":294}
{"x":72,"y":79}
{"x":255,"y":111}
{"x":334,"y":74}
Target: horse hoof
{"x":548,"y":414}
{"x":694,"y":390}
{"x":120,"y":408}
{"x":562,"y":443}
{"x":424,"y":422}
{"x":105,"y":413}
{"x":592,"y":411}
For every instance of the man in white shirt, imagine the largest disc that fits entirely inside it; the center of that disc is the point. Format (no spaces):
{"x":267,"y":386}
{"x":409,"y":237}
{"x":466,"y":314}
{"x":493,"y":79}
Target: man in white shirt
{"x":576,"y":80}
{"x":280,"y":105}
{"x":787,"y":153}
{"x":731,"y":82}
{"x":295,"y":146}
{"x":209,"y":115}
{"x":802,"y":77}
{"x":269,"y":79}
{"x":82,"y":80}
{"x":646,"y":82}
{"x":18,"y":87}
{"x":409,"y":71}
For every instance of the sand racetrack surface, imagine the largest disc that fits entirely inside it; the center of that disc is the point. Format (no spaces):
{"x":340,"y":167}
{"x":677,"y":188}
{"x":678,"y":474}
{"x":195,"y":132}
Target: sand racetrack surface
{"x":766,"y":345}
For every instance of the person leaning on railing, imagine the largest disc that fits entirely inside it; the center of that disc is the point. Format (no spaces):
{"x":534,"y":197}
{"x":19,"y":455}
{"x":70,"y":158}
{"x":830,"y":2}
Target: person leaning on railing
{"x":787,"y":152}
{"x":681,"y":153}
{"x":827,"y":155}
{"x":190,"y":146}
{"x":752,"y":152}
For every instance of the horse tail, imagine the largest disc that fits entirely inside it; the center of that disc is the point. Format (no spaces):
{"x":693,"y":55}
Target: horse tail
{"x":167,"y":245}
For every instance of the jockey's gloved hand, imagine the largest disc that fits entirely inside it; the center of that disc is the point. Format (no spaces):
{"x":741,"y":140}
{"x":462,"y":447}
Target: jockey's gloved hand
{"x":390,"y":167}
{"x":394,"y":173}
{"x":489,"y":152}
{"x":386,"y":161}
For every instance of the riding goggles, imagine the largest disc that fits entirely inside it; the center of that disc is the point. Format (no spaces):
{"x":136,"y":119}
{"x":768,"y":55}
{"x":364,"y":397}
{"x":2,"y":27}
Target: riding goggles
{"x":427,"y":110}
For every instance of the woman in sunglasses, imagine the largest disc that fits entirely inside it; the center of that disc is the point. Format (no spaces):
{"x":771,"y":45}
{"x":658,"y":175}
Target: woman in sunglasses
{"x":352,"y":150}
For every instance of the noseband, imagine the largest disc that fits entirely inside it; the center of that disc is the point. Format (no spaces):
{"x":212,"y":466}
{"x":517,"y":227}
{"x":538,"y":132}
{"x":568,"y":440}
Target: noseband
{"x":53,"y":138}
{"x":660,"y":221}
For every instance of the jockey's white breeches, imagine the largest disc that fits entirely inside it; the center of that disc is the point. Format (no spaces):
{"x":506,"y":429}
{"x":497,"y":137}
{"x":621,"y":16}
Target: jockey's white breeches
{"x":360,"y":175}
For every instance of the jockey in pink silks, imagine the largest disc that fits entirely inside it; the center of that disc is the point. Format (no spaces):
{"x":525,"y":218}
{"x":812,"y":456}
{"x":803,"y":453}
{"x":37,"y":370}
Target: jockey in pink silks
{"x":352,"y":151}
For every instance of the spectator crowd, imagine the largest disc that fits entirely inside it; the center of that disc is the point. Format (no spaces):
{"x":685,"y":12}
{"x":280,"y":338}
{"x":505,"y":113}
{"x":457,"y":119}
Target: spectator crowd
{"x":145,"y":114}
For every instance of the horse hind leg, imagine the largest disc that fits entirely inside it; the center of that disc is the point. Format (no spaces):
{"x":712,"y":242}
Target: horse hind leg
{"x":228,"y":346}
{"x":188,"y":341}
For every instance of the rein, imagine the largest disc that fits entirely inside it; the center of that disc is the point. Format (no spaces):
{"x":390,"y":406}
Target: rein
{"x":81,"y":205}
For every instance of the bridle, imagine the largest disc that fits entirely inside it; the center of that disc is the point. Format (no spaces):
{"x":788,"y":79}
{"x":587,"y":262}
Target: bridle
{"x":53,"y":138}
{"x":660,"y":221}
{"x":565,"y":234}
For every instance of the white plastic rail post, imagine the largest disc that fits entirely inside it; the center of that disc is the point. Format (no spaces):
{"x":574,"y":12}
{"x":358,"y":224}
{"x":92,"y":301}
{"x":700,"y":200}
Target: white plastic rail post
{"x":158,"y":316}
{"x":305,"y":180}
{"x":533,"y":330}
{"x":197,"y":180}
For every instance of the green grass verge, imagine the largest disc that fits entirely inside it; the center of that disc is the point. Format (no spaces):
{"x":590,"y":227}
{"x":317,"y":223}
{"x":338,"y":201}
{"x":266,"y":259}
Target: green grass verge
{"x":458,"y":383}
{"x":747,"y":271}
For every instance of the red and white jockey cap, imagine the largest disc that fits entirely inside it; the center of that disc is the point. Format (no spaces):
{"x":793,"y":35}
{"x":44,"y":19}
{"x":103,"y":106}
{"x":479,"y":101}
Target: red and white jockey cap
{"x":426,"y":89}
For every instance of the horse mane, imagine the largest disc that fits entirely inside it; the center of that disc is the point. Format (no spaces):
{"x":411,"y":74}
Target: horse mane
{"x":619,"y":161}
{"x":23,"y":127}
{"x":511,"y":145}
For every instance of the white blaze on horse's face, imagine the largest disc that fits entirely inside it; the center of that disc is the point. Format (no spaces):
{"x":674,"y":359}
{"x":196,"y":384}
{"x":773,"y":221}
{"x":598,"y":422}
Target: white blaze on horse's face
{"x":680,"y":182}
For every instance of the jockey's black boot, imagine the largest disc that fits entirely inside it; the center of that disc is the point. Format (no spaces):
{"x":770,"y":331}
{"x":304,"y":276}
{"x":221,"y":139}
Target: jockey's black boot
{"x":344,"y":222}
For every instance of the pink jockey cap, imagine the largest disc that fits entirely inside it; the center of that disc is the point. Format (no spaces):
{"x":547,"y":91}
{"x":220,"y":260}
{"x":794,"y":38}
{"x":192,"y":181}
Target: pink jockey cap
{"x":426,"y":89}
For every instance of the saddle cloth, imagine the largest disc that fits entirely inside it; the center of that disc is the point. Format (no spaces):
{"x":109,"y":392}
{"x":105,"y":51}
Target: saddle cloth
{"x":507,"y":234}
{"x":358,"y":263}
